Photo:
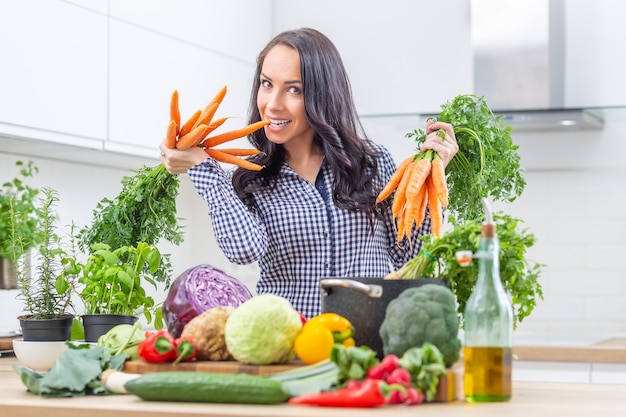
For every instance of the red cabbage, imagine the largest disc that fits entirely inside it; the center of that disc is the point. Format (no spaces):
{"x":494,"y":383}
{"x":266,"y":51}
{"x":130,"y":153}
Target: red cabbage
{"x":199,"y":289}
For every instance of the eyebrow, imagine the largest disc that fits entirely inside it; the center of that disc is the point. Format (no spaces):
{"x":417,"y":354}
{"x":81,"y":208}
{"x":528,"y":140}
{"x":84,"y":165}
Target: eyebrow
{"x":286,"y":82}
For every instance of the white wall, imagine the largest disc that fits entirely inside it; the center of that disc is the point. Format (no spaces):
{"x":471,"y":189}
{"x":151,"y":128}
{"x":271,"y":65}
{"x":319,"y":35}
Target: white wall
{"x":576,"y":181}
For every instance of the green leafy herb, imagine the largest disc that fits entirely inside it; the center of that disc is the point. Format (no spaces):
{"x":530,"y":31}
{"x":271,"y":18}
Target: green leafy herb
{"x":487,"y":164}
{"x":74,"y":374}
{"x":519,"y":275}
{"x":19,"y":214}
{"x":353,"y":362}
{"x":111,"y":280}
{"x":426,"y":366}
{"x":144,"y":211}
{"x":46,"y":294}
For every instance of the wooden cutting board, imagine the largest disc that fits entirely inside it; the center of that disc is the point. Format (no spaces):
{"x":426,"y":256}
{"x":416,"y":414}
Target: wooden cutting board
{"x":228,"y":367}
{"x":6,"y":343}
{"x":450,"y":385}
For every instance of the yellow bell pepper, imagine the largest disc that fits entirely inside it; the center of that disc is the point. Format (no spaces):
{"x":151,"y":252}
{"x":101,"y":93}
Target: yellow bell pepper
{"x":314,"y":342}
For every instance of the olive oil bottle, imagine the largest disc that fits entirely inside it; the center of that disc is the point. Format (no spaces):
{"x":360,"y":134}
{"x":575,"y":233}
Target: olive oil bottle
{"x":488,"y":325}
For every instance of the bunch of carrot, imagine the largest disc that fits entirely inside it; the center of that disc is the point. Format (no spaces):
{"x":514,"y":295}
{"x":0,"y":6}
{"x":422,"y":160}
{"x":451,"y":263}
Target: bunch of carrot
{"x":196,"y":130}
{"x":419,"y":182}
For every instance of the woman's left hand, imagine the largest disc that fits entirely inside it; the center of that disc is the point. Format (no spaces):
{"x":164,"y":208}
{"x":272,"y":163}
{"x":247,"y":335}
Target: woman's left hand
{"x":446,"y":147}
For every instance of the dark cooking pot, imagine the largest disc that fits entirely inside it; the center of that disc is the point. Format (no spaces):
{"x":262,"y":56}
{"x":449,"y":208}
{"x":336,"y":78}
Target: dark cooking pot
{"x":364,"y":302}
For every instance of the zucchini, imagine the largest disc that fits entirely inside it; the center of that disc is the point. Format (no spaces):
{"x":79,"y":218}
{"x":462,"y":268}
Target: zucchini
{"x":207,"y":387}
{"x":308,"y":379}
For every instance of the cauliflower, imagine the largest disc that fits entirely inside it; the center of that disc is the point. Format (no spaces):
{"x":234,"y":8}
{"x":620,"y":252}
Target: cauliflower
{"x":207,"y":332}
{"x":422,"y":314}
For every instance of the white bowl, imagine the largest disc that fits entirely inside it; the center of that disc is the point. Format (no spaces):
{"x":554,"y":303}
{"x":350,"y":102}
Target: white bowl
{"x":38,"y":356}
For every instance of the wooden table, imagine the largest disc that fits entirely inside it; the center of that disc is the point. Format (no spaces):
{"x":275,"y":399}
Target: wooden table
{"x":530,"y":399}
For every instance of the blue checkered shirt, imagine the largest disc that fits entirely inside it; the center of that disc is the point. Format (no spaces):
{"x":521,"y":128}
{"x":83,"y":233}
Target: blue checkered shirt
{"x":298,"y":235}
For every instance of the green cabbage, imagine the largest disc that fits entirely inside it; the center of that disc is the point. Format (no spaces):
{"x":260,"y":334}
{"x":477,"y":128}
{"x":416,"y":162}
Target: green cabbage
{"x":262,"y":330}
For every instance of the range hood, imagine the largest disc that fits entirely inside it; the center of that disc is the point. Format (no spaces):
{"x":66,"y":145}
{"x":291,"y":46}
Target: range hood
{"x":519,"y":64}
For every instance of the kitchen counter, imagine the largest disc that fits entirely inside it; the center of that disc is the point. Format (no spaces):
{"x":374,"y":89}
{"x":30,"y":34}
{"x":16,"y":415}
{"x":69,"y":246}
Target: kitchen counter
{"x":529,"y":398}
{"x":598,"y":350}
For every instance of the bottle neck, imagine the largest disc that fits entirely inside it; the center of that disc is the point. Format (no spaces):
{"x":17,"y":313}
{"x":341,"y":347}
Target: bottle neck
{"x":489,"y":262}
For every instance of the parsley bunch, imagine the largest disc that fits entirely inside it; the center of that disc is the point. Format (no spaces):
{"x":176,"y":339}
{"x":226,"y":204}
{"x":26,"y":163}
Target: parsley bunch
{"x":144,"y":211}
{"x":487,"y":164}
{"x":519,"y":275}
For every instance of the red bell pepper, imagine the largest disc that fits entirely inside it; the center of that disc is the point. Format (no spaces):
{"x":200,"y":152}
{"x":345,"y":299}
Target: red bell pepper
{"x":186,"y":349}
{"x":368,"y":394}
{"x":158,"y":346}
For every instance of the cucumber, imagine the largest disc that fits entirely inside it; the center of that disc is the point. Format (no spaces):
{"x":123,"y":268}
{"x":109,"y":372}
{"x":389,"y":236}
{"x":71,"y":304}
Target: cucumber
{"x":207,"y":387}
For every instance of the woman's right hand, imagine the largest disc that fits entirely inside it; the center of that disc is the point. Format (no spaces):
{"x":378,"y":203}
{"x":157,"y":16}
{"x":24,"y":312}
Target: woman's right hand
{"x":179,"y":162}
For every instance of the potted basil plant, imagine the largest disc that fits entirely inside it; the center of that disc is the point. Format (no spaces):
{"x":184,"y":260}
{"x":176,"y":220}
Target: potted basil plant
{"x":111,"y":287}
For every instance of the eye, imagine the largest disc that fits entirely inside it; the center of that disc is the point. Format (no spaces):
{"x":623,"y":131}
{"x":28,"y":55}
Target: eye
{"x":294,"y":90}
{"x":266,"y":83}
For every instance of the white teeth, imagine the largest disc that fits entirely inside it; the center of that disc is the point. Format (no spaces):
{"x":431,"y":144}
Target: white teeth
{"x":279,"y":122}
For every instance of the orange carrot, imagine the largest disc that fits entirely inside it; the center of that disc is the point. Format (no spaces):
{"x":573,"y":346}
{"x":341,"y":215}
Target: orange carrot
{"x":215,"y":124}
{"x":239,"y":151}
{"x":418,"y":208}
{"x":218,"y":97}
{"x":174,"y":109}
{"x":418,"y":176}
{"x":220,"y":156}
{"x":434,"y":207}
{"x":394,"y":180}
{"x":399,"y":199}
{"x":192,"y":138}
{"x":439,"y":180}
{"x":234,"y":134}
{"x":400,"y":225}
{"x":207,"y":115}
{"x":170,"y":135}
{"x":186,"y":128}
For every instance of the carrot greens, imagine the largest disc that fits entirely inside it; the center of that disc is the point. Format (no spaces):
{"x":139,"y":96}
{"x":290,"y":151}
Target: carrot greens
{"x":487,"y":164}
{"x":144,"y":211}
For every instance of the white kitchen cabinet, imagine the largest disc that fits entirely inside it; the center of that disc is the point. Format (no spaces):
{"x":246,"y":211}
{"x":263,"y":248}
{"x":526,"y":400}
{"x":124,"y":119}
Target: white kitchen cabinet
{"x":233,"y":29}
{"x":195,"y":47}
{"x":90,"y":81}
{"x":595,"y":64}
{"x":53,"y":76}
{"x":142,"y":84}
{"x":402,"y":56}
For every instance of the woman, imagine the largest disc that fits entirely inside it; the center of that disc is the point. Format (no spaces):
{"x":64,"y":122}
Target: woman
{"x":310,"y":213}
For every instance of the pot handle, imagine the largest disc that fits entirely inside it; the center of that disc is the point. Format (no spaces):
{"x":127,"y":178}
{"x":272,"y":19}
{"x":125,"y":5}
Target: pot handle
{"x":373,"y":290}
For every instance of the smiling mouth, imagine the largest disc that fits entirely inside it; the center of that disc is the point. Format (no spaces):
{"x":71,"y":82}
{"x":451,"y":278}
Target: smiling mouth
{"x":279,"y":123}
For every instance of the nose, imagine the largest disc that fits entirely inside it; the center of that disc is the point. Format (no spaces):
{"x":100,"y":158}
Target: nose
{"x":274,"y":101}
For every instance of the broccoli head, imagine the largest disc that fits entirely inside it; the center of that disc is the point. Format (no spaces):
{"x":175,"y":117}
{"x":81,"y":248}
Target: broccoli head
{"x":422,"y":314}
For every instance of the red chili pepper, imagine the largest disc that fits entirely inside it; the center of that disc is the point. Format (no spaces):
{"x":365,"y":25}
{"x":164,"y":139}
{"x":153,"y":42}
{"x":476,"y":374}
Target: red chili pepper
{"x":158,"y":346}
{"x":368,"y":394}
{"x":186,"y":349}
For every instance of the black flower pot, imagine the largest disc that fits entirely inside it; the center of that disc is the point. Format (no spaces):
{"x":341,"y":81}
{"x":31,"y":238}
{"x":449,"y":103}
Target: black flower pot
{"x":39,"y":330}
{"x":98,"y":324}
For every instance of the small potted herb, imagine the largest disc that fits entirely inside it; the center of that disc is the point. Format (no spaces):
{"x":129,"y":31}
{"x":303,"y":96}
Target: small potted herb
{"x":111,"y":286}
{"x":46,"y":293}
{"x":19,"y":221}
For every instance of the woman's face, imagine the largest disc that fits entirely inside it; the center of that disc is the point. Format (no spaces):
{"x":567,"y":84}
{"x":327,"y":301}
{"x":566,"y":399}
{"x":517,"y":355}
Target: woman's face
{"x":281,"y":98}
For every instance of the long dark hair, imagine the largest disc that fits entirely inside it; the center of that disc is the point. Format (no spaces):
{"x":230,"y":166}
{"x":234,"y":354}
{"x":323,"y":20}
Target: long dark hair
{"x":331,"y":112}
